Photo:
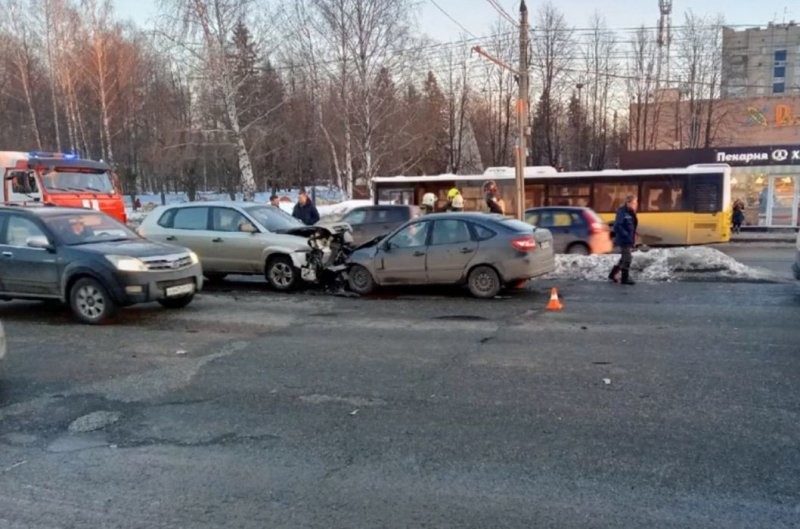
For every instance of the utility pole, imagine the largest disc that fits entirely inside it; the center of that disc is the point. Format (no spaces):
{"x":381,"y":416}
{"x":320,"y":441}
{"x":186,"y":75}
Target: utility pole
{"x":522,"y":110}
{"x":522,"y":105}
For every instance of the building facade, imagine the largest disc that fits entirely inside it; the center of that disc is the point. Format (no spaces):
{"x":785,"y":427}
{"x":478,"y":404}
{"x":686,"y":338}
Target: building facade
{"x":759,"y":62}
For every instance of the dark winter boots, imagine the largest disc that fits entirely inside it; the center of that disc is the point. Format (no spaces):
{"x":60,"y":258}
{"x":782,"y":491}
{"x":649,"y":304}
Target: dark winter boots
{"x":613,"y":275}
{"x":626,"y":279}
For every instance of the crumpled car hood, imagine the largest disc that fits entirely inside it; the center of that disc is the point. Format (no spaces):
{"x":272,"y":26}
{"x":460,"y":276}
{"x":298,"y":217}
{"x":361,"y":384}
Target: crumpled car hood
{"x":321,"y":228}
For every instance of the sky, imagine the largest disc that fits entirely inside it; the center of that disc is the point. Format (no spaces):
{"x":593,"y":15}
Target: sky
{"x":478,"y":16}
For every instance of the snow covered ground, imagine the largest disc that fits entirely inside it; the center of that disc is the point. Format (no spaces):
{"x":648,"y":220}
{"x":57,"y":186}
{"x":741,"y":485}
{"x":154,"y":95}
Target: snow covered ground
{"x":667,"y":264}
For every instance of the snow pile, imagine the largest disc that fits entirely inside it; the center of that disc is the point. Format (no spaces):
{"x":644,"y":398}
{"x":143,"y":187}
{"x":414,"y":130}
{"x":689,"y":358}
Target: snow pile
{"x":669,"y":264}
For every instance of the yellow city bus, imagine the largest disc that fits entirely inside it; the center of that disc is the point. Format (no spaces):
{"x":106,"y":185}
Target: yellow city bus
{"x":682,"y":206}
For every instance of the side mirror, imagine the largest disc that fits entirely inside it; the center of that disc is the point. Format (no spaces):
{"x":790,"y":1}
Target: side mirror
{"x":386,"y":246}
{"x":248,"y":228}
{"x":39,"y":241}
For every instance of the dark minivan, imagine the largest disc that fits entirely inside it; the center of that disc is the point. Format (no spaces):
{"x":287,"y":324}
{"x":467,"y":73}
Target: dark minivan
{"x":369,"y":222}
{"x":92,"y":262}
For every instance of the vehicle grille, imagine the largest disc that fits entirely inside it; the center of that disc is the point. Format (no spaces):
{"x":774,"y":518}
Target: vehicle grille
{"x":168,"y":262}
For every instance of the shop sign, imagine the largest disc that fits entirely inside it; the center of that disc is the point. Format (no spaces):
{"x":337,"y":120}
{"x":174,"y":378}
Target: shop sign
{"x":780,"y":115}
{"x":759,"y":156}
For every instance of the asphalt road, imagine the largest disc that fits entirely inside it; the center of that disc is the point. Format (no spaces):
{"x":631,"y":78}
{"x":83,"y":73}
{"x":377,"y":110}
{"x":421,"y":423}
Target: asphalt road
{"x":659,"y":405}
{"x":775,"y":257}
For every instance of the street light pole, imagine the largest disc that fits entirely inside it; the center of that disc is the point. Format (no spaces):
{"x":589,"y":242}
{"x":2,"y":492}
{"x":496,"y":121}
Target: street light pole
{"x":522,"y":110}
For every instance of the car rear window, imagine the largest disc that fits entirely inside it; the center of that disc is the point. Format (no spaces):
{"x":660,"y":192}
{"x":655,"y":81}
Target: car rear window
{"x":482,"y":233}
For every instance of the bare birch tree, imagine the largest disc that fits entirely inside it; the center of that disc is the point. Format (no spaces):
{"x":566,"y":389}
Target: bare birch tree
{"x":641,"y":83}
{"x":552,"y":42}
{"x":18,"y":24}
{"x":207,"y":27}
{"x":598,"y":55}
{"x":700,"y":68}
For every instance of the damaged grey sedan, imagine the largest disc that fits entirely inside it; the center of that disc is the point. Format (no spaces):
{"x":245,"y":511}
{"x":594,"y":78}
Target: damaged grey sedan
{"x":249,"y":238}
{"x":482,"y":251}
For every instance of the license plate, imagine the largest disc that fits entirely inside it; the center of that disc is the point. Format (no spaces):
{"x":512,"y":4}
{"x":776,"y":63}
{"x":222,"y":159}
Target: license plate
{"x":180,"y":290}
{"x":545,"y":244}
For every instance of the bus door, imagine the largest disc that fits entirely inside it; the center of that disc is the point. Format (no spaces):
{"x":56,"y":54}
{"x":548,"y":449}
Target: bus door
{"x":707,"y":221}
{"x":22,"y":186}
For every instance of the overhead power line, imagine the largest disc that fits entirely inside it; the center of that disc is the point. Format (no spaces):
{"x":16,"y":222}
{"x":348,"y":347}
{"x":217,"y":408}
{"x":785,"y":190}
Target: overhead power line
{"x":456,"y":22}
{"x":503,"y":13}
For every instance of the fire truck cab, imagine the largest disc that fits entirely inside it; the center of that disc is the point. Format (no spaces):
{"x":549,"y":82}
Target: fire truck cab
{"x":46,"y":178}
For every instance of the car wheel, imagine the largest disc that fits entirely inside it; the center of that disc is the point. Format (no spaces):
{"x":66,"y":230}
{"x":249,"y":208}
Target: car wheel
{"x":90,"y":301}
{"x":578,"y":248}
{"x":484,"y":282}
{"x":214,"y":277}
{"x":281,"y":273}
{"x":360,"y":280}
{"x":176,"y":303}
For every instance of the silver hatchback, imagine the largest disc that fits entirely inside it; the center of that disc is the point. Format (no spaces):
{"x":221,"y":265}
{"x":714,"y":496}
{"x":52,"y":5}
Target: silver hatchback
{"x":485,"y":252}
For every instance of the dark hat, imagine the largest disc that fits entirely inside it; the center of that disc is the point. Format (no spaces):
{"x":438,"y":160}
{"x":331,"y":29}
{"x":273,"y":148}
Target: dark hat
{"x":273,"y":197}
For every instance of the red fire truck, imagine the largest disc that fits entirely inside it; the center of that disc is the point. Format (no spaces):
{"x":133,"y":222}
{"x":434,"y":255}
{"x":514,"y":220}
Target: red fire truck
{"x":60,"y":179}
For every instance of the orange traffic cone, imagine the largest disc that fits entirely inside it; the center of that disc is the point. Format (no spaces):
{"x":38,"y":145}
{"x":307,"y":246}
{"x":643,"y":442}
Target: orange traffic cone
{"x":554,"y":303}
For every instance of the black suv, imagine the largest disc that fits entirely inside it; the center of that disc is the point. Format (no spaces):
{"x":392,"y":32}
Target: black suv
{"x":369,"y":222}
{"x":89,"y":260}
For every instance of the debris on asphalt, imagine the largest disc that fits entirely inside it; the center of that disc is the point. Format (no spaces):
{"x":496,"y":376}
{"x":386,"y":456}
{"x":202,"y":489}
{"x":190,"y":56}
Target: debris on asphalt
{"x":97,"y":420}
{"x":180,"y":352}
{"x":606,"y":381}
{"x":353,"y":412}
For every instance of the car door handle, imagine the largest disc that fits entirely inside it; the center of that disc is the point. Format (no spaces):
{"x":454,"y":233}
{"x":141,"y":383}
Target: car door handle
{"x":419,"y":254}
{"x":216,"y":239}
{"x":467,"y":250}
{"x":172,"y":238}
{"x":8,"y":254}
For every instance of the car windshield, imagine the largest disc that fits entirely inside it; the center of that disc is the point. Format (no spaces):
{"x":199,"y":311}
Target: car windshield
{"x":87,"y":228}
{"x":272,"y":218}
{"x":69,"y":182}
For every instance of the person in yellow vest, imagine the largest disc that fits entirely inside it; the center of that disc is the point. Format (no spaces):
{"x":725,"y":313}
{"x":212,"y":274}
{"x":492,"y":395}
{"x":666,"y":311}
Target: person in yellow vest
{"x":455,"y":202}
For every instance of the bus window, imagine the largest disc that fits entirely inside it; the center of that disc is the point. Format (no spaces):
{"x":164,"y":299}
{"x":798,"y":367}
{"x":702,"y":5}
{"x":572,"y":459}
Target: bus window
{"x":569,"y":194}
{"x":404,"y":196}
{"x":662,"y":194}
{"x":534,"y":196}
{"x":610,"y":196}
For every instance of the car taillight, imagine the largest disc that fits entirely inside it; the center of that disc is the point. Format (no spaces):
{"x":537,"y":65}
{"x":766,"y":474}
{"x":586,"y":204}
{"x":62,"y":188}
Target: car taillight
{"x":524,"y":244}
{"x":595,"y":225}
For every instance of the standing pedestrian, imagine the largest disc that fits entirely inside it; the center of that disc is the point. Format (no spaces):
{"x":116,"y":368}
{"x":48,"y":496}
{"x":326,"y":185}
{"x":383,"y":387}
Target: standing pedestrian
{"x":305,"y":210}
{"x":625,"y":227}
{"x":455,"y":202}
{"x":428,"y":203}
{"x":273,"y":201}
{"x":738,"y":215}
{"x":493,"y":201}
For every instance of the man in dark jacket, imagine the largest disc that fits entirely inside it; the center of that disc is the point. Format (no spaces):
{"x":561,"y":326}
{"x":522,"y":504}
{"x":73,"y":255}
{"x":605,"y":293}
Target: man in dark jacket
{"x":305,"y":210}
{"x":625,"y":227}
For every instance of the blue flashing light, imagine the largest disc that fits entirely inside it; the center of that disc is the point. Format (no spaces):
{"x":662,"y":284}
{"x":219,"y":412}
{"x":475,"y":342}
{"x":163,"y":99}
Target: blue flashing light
{"x":56,"y":155}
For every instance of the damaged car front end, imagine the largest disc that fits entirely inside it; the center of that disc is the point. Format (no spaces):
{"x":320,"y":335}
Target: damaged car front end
{"x":329,"y":247}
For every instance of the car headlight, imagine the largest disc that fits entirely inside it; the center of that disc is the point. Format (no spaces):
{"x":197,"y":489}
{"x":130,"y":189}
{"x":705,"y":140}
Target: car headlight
{"x":127,"y":264}
{"x":194,"y":258}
